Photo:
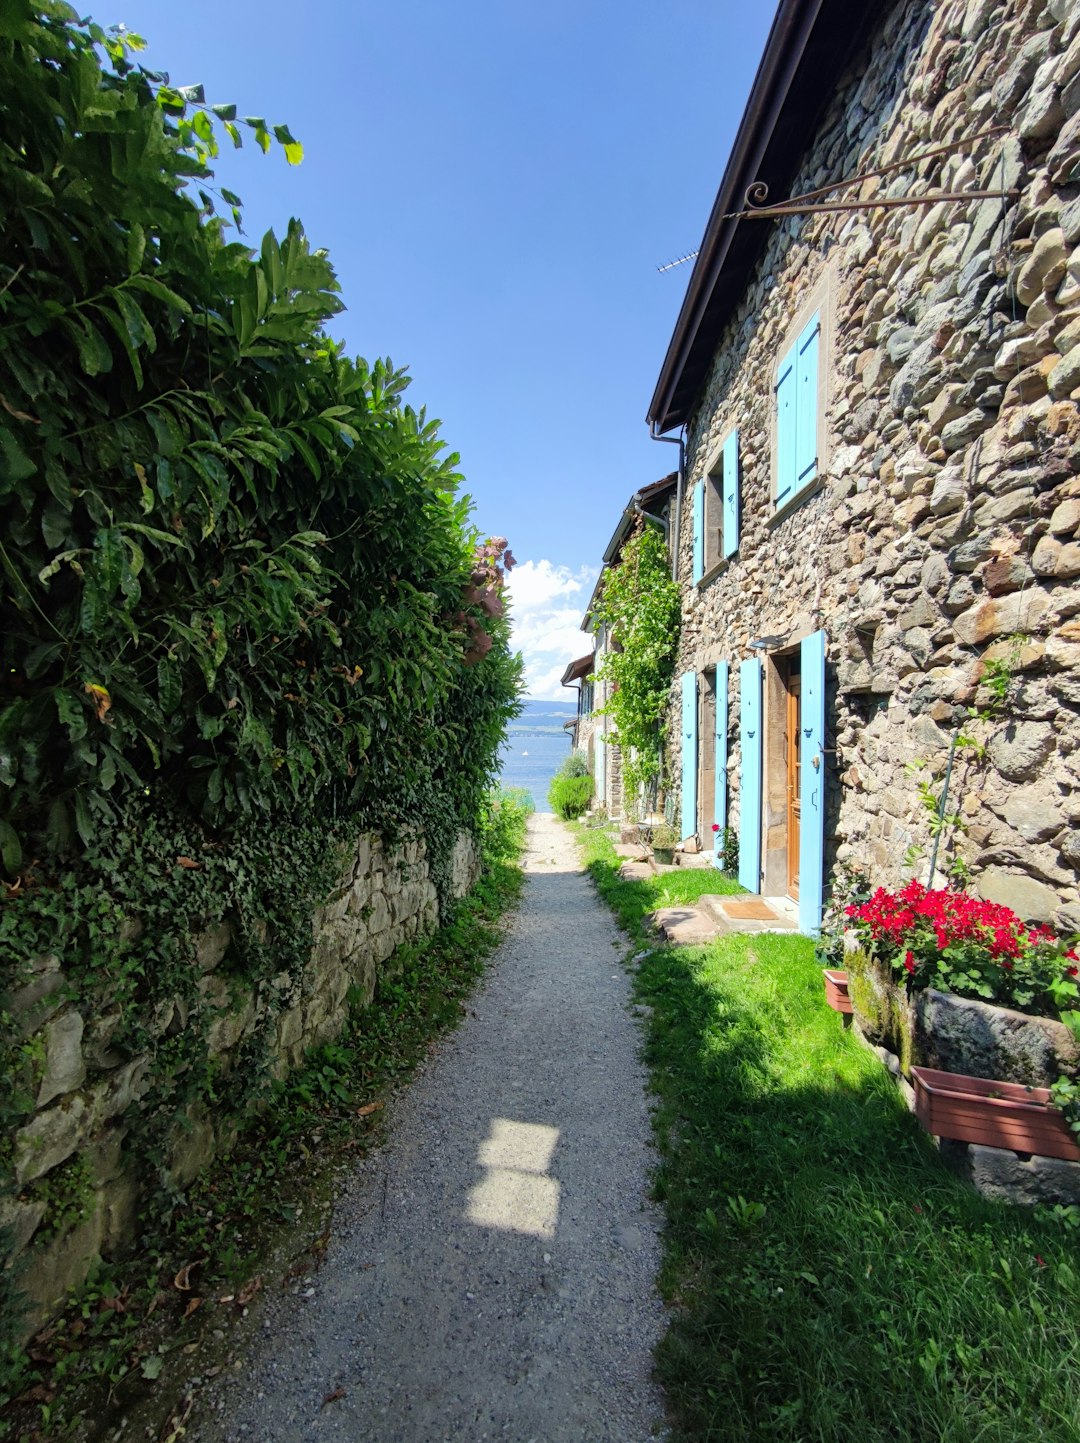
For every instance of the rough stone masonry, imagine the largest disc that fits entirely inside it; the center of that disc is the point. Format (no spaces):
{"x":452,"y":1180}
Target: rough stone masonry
{"x":944,"y":531}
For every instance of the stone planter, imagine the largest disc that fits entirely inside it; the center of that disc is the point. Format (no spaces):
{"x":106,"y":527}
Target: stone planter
{"x":992,"y":1114}
{"x":663,"y":856}
{"x":836,"y":990}
{"x":937,"y":1030}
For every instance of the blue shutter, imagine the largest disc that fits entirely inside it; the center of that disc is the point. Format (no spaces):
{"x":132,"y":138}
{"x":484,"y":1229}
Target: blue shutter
{"x":785,"y":428}
{"x":699,"y":531}
{"x":689,"y":753}
{"x":750,"y":774}
{"x":812,"y":784}
{"x":731,"y":494}
{"x":806,"y":404}
{"x":720,"y":807}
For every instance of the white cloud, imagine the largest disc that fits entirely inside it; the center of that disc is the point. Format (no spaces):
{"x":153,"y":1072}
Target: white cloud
{"x":547,"y":603}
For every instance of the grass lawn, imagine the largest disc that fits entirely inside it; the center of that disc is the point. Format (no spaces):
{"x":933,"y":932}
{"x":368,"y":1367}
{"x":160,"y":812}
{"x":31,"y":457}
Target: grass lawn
{"x":828,"y":1279}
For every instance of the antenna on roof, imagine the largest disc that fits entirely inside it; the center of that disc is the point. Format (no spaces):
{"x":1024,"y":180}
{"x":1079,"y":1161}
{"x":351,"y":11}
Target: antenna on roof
{"x":670,"y":265}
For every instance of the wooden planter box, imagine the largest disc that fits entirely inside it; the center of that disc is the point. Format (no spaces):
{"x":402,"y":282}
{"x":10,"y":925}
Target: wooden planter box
{"x":836,"y":990}
{"x":996,"y":1114}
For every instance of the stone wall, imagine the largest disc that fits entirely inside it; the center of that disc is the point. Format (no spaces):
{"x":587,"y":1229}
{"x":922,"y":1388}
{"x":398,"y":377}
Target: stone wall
{"x":87,"y":1093}
{"x":946,"y":518}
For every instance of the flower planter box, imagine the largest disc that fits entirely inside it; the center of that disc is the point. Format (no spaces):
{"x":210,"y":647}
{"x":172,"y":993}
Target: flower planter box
{"x":663,"y":856}
{"x":836,"y":990}
{"x":995,"y":1114}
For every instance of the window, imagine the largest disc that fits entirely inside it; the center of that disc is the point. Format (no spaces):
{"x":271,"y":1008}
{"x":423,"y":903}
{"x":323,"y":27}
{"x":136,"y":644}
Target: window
{"x":716,"y":509}
{"x":798,"y":413}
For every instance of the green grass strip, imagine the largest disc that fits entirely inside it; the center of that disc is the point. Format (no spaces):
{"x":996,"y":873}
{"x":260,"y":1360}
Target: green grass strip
{"x":828,"y":1278}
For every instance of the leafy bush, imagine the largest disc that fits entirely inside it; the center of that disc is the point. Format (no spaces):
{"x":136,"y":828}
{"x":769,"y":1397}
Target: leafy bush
{"x":571,"y":787}
{"x":570,"y":795}
{"x":575,"y":765}
{"x":235,"y":569}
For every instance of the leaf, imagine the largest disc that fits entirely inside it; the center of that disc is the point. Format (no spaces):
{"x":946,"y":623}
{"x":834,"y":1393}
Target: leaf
{"x":147,"y":499}
{"x":84,"y":822}
{"x":189,"y":864}
{"x":100,"y":697}
{"x":193,"y":1304}
{"x":334,"y":1396}
{"x":136,"y":247}
{"x":152,"y":1366}
{"x":182,"y":1280}
{"x":153,"y":287}
{"x":237,"y":140}
{"x":248,"y":1291}
{"x":368,"y":1109}
{"x":11,"y":852}
{"x":224,"y":112}
{"x":294,"y":152}
{"x":170,"y":685}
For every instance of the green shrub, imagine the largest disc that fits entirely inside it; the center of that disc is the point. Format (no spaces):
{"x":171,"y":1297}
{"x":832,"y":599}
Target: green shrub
{"x":575,"y":765}
{"x":569,"y":796}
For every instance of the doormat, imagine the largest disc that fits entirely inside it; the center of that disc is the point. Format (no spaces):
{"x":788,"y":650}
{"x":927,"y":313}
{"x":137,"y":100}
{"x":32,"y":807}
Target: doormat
{"x":752,"y":908}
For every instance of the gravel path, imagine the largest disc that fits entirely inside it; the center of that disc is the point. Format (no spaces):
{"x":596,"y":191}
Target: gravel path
{"x":492,"y":1269}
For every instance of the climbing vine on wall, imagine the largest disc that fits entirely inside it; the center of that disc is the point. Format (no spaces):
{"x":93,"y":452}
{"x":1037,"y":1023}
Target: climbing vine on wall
{"x":639,"y":606}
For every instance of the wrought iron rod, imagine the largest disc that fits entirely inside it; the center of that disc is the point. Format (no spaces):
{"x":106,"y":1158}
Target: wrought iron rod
{"x":766,"y":212}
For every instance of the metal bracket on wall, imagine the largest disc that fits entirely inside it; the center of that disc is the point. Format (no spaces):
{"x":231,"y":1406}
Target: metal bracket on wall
{"x":810,"y":202}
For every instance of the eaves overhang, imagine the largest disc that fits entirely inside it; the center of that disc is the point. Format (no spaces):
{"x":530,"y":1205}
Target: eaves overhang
{"x":578,"y":669}
{"x":809,"y":47}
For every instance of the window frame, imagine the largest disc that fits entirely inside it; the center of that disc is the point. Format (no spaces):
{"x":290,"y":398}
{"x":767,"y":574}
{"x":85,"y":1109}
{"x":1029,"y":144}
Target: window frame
{"x":713,"y":556}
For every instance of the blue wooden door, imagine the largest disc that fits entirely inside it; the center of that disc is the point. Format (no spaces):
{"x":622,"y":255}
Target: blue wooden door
{"x":689,"y":754}
{"x":750,"y":774}
{"x":720,"y":806}
{"x":812,"y":784}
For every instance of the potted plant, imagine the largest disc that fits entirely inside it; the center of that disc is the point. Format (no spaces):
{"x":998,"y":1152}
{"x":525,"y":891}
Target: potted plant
{"x":849,"y":889}
{"x":663,"y":839}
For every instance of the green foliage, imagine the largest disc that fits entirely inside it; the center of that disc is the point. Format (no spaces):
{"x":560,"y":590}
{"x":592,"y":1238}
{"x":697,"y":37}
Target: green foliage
{"x":571,"y":788}
{"x":570,"y":796}
{"x":245,"y":615}
{"x":849,"y":1288}
{"x":233,"y":562}
{"x":68,"y":1194}
{"x":285,"y":1160}
{"x":640,"y":608}
{"x":574,"y":765}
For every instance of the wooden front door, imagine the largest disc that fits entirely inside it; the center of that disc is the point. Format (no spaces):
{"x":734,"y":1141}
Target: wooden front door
{"x":793,"y":756}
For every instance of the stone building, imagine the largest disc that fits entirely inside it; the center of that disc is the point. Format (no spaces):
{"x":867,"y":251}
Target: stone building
{"x":651,"y":505}
{"x":880,"y":502}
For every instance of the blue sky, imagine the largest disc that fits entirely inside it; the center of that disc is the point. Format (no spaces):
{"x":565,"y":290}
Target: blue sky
{"x":496,"y":184}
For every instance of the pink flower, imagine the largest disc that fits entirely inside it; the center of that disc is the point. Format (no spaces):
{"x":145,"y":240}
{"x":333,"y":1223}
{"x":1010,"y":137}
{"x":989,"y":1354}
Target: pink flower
{"x":716,"y":826}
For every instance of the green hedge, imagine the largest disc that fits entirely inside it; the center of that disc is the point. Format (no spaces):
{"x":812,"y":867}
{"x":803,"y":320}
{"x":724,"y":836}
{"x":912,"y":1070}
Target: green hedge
{"x":234,"y":564}
{"x":245,"y":613}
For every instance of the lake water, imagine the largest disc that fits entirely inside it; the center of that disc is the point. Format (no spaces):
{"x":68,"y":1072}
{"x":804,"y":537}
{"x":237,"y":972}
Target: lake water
{"x":535,"y":747}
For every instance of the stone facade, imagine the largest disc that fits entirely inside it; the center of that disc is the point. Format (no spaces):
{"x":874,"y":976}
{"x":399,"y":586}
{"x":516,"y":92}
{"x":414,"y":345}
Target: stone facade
{"x":88,"y":1092}
{"x":943,"y":529}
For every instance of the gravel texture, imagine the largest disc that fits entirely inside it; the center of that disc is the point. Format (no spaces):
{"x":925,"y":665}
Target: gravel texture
{"x":491,"y":1273}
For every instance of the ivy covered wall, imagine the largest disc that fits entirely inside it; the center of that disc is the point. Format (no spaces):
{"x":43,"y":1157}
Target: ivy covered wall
{"x":250,"y":639}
